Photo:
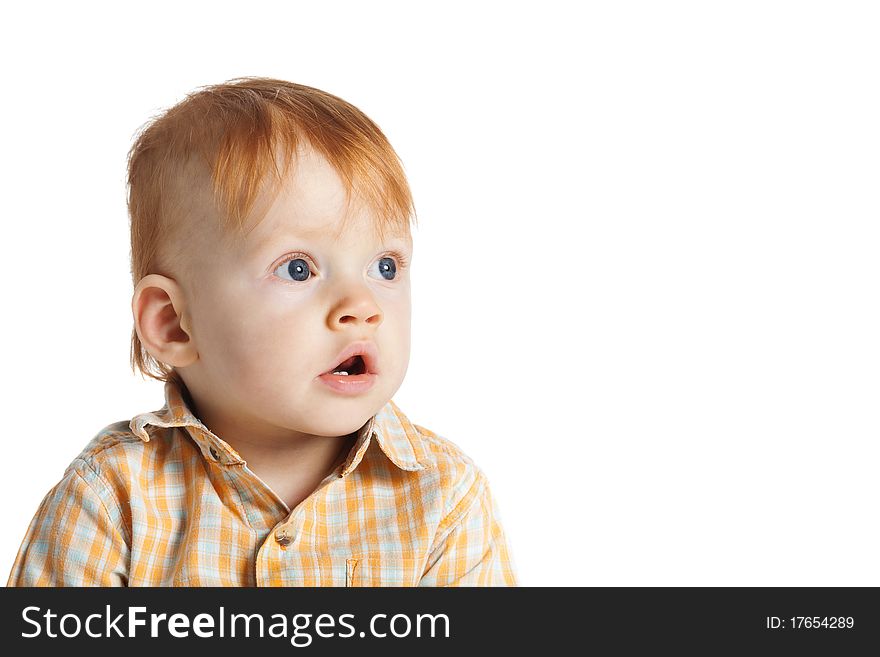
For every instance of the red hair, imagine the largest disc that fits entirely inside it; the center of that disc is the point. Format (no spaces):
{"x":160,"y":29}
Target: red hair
{"x":219,"y":146}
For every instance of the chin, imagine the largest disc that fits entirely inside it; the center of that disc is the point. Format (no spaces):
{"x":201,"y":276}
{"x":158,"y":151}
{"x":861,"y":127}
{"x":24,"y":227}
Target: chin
{"x":340,"y":415}
{"x":341,"y":424}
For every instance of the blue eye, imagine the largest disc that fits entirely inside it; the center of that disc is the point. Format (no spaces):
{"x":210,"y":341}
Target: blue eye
{"x":297,"y":269}
{"x":387,"y":268}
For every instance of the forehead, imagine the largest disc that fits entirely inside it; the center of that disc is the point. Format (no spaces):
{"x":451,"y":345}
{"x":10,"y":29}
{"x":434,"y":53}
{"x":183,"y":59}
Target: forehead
{"x":311,"y":203}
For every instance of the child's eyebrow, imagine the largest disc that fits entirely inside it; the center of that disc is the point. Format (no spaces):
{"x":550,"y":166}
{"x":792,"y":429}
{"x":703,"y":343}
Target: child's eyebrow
{"x":294,"y":233}
{"x":290,"y":233}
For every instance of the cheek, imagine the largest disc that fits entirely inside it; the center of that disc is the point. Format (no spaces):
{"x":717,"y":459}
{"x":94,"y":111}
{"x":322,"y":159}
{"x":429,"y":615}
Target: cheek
{"x":398,"y":315}
{"x":242,"y":336}
{"x":396,"y":304}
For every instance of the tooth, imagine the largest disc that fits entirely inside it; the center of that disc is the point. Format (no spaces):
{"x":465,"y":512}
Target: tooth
{"x":342,"y":373}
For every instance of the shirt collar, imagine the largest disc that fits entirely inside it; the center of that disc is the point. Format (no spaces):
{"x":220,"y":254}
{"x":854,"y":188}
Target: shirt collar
{"x":397,"y":437}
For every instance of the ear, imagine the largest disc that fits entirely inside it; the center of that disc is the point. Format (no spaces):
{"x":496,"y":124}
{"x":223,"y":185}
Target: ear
{"x":162,"y":322}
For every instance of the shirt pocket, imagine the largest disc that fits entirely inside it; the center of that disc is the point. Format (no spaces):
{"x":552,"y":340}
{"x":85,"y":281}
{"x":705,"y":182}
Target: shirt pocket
{"x":383,"y":571}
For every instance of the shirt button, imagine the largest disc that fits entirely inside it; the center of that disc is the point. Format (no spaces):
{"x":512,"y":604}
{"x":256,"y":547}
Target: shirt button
{"x":283,"y":537}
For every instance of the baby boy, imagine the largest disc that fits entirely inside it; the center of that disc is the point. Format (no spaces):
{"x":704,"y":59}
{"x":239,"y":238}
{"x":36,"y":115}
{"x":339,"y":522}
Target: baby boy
{"x":271,"y":248}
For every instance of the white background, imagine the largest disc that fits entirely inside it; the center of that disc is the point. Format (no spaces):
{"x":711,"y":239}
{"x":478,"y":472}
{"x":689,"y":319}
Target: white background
{"x":645,"y":278}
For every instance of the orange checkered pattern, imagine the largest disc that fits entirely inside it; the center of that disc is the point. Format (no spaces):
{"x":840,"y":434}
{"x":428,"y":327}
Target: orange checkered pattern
{"x":162,"y":501}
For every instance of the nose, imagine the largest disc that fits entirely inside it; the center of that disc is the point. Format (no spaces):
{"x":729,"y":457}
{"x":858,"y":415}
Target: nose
{"x":354,"y":308}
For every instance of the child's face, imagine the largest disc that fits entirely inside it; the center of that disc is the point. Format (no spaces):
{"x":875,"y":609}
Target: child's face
{"x":270,"y":316}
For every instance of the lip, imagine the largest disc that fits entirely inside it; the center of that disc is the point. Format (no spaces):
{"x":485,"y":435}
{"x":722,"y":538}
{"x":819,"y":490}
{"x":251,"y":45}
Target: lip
{"x":353,"y":384}
{"x":348,"y":385}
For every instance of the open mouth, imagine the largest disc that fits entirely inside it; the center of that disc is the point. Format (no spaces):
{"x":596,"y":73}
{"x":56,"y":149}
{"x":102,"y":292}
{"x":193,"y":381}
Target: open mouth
{"x":357,"y":372}
{"x":351,"y":367}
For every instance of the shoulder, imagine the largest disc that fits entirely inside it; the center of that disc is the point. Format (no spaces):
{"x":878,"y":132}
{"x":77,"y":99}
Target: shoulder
{"x":118,"y":459}
{"x":442,"y":452}
{"x":108,"y":448}
{"x":94,"y":483}
{"x":459,"y":479}
{"x":103,"y":452}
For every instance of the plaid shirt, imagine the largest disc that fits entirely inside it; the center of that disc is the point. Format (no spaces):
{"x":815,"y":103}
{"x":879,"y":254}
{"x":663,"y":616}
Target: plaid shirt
{"x":162,"y":501}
